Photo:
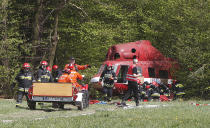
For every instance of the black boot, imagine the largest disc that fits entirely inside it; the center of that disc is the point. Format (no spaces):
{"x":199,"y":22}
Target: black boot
{"x":123,"y":103}
{"x":109,"y":99}
{"x":137,"y":103}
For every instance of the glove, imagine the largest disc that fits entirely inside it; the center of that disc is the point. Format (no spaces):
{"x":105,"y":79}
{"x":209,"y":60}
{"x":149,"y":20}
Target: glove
{"x":89,"y":66}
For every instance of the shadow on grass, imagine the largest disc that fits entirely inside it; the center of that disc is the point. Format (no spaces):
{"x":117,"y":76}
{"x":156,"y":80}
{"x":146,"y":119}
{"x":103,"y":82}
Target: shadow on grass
{"x":45,"y":109}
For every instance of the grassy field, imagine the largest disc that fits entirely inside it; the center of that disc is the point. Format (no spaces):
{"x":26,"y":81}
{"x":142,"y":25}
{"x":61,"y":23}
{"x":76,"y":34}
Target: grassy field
{"x":148,"y":115}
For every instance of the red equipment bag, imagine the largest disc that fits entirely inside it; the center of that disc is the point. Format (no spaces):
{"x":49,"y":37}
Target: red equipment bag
{"x":93,"y":101}
{"x":164,"y":98}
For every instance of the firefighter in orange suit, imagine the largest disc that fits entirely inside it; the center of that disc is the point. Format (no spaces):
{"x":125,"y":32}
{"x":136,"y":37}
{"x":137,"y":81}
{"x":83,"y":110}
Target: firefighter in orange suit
{"x":62,"y":79}
{"x":76,"y":66}
{"x":70,"y":76}
{"x":64,"y":76}
{"x":73,"y":76}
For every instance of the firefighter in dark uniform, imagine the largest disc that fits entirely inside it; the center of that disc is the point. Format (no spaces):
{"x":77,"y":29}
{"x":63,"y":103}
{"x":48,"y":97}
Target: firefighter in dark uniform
{"x":143,"y":89}
{"x":178,"y":90}
{"x":56,"y":73}
{"x":164,"y":90}
{"x":154,"y":91}
{"x":44,"y":76}
{"x":132,"y":77}
{"x":24,"y":79}
{"x":108,"y":77}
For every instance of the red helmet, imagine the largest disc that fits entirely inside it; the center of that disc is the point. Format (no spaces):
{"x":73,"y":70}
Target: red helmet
{"x":155,"y":83}
{"x":44,"y":63}
{"x":55,"y":67}
{"x":109,"y":64}
{"x":147,"y":86}
{"x":71,"y":67}
{"x":26,"y":65}
{"x":49,"y":68}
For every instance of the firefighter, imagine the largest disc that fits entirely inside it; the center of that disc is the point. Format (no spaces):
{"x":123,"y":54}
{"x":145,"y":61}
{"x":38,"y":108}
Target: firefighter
{"x":44,"y":76}
{"x":24,"y":79}
{"x":56,"y":72}
{"x":76,"y":66}
{"x":73,"y":76}
{"x":164,"y":90}
{"x":144,"y":90}
{"x":178,"y":89}
{"x":63,"y":77}
{"x":132,"y":77}
{"x":108,"y":77}
{"x":154,"y":91}
{"x":69,"y":76}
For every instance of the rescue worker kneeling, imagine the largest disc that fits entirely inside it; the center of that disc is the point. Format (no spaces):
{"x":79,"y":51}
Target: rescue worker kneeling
{"x":164,"y":90}
{"x":24,"y":79}
{"x":144,"y":91}
{"x":108,"y":77}
{"x":154,"y":91}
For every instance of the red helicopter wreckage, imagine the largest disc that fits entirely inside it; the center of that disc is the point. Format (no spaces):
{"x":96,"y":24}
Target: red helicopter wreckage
{"x":153,"y":65}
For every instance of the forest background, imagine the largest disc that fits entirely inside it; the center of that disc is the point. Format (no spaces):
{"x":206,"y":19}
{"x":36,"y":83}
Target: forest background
{"x":54,"y":30}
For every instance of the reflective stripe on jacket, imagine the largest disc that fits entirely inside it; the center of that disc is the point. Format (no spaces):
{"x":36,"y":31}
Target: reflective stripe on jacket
{"x":129,"y":75}
{"x":24,"y":79}
{"x":44,"y":76}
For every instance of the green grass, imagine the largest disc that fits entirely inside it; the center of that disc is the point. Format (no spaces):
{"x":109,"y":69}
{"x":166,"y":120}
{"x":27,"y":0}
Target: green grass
{"x":173,"y":115}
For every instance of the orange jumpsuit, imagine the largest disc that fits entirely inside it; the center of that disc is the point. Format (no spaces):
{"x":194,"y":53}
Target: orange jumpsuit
{"x":77,"y":67}
{"x":72,"y":78}
{"x":63,"y":78}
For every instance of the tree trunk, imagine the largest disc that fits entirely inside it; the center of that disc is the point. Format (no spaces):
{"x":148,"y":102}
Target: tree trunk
{"x":5,"y":60}
{"x":36,"y":29}
{"x":54,"y":40}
